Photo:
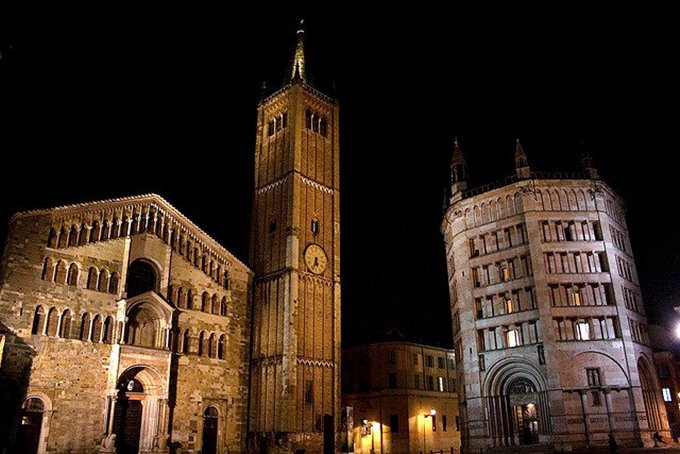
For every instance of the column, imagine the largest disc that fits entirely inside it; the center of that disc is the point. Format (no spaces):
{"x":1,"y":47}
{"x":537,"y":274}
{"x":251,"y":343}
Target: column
{"x":586,"y":422}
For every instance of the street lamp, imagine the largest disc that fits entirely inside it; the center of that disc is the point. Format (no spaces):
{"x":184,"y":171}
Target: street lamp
{"x":432,"y":413}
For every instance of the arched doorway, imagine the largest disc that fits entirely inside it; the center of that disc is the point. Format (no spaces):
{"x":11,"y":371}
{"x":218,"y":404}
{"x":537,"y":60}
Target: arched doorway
{"x":30,"y":425}
{"x":650,"y":395}
{"x":210,"y":420}
{"x":127,"y":415}
{"x":523,"y":399}
{"x":141,"y":278}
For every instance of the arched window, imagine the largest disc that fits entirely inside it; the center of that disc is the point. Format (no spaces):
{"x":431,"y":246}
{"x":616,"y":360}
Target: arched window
{"x":96,"y":231}
{"x":73,"y":275}
{"x":106,"y":228}
{"x":220,"y":347}
{"x":190,"y":299}
{"x":96,"y":329}
{"x":65,"y":327}
{"x":205,"y":302}
{"x":73,"y":236}
{"x":113,"y":283}
{"x":29,"y":436}
{"x":197,"y":257}
{"x":103,"y":283}
{"x":38,"y":321}
{"x":223,"y":306}
{"x":201,"y":341}
{"x":181,"y":298}
{"x":115,"y":228}
{"x":211,"y":346}
{"x":63,"y":237}
{"x":308,"y":119}
{"x":204,"y":263}
{"x":60,"y":274}
{"x":141,"y":278}
{"x":185,"y":342}
{"x":48,"y":269}
{"x":52,"y":322}
{"x":52,"y":238}
{"x":210,"y":425}
{"x":218,"y":273}
{"x":124,"y":226}
{"x":84,"y":235}
{"x":107,"y":332}
{"x":225,"y":280}
{"x":211,"y":269}
{"x":215,"y":309}
{"x":171,"y":294}
{"x":92,"y":276}
{"x":85,"y":327}
{"x":143,"y":326}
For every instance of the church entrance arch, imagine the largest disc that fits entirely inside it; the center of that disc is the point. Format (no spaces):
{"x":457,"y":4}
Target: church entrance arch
{"x":517,"y":403}
{"x":30,"y":426}
{"x":524,"y":400}
{"x":140,"y":411}
{"x":210,"y":420}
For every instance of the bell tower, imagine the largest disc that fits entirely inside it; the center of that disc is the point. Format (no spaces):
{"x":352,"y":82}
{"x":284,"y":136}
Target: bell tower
{"x":295,"y":253}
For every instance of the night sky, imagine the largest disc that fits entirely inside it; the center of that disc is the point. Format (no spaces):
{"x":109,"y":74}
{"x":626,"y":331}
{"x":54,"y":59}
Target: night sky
{"x":111,"y":99}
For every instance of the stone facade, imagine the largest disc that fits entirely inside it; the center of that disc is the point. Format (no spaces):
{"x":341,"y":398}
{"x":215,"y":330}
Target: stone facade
{"x":295,"y":253}
{"x":549,"y":328}
{"x":392,"y":388}
{"x":124,"y":317}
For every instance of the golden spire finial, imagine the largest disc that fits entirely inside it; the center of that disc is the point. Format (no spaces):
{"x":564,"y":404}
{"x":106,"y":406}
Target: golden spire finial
{"x":298,"y":70}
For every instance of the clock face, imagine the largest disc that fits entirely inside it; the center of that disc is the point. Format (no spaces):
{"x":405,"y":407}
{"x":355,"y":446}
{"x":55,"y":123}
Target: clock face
{"x":315,"y":258}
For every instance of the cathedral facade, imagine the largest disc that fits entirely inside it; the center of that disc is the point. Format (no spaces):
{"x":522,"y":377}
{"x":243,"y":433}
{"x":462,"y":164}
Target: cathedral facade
{"x":128,"y":329}
{"x":550,"y":333}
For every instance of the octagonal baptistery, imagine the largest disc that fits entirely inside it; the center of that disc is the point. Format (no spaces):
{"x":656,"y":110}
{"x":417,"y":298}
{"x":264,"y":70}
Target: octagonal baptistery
{"x":127,"y":330}
{"x":549,"y":328}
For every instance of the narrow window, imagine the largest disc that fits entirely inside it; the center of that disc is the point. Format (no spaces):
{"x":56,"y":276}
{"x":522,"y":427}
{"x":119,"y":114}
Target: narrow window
{"x":597,"y":231}
{"x":394,"y":423}
{"x":390,"y":357}
{"x":284,"y":120}
{"x":308,"y":119}
{"x":315,"y":226}
{"x":392,"y":380}
{"x":323,"y":127}
{"x":440,"y":362}
{"x":509,"y":306}
{"x":272,"y":226}
{"x":434,"y":422}
{"x":185,"y":342}
{"x":48,"y":270}
{"x":596,"y":399}
{"x":220,"y":347}
{"x":429,"y":361}
{"x":309,"y":392}
{"x":440,"y":384}
{"x":416,"y":381}
{"x":52,"y":238}
{"x":593,"y":376}
{"x":38,"y":320}
{"x":444,"y":423}
{"x":270,"y":128}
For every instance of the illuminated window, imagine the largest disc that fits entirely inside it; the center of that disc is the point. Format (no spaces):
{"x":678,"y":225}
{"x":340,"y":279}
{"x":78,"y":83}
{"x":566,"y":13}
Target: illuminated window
{"x":582,"y":330}
{"x":505,"y":273}
{"x":576,"y":296}
{"x":509,"y":306}
{"x":440,"y":383}
{"x":315,"y":226}
{"x":512,"y":338}
{"x":666,"y":394}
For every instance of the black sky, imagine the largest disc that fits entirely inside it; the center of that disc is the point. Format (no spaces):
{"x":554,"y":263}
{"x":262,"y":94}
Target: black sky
{"x":116,"y":99}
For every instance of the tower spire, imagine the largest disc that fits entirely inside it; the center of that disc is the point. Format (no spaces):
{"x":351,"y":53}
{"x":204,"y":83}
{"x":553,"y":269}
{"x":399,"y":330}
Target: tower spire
{"x":587,"y":162}
{"x":298,"y":69}
{"x":521,"y":163}
{"x":458,"y":172}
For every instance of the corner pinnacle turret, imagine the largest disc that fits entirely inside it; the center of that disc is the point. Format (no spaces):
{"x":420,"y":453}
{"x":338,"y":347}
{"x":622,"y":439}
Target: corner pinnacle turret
{"x":298,"y":67}
{"x":458,"y":172}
